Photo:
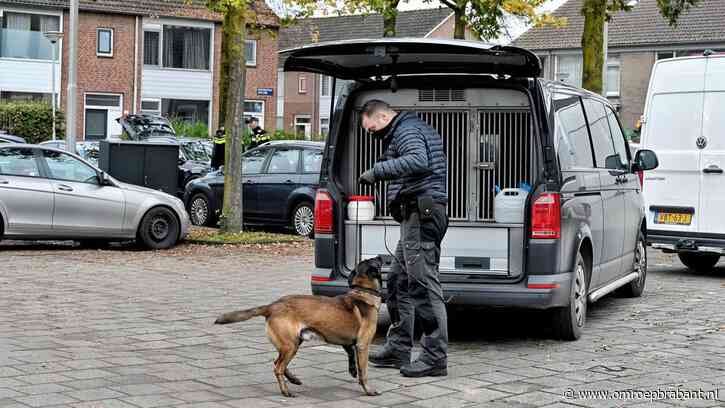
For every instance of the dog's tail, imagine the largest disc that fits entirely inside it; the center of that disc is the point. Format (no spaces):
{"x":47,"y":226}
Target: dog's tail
{"x":242,"y":315}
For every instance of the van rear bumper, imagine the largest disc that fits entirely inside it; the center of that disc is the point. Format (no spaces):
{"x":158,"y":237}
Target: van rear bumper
{"x":517,"y":295}
{"x":672,"y":241}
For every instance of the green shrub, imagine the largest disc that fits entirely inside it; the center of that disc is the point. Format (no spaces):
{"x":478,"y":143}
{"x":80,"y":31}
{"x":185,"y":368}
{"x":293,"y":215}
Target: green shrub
{"x":198,"y":129}
{"x":31,"y":120}
{"x":282,"y":135}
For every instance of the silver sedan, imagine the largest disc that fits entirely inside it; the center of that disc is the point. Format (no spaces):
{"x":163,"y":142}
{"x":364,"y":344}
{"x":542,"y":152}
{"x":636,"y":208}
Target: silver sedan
{"x":47,"y":193}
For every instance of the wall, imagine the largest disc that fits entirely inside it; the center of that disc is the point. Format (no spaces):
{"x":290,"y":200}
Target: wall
{"x":635,"y":72}
{"x":264,"y":75}
{"x":447,"y":28}
{"x":300,"y":104}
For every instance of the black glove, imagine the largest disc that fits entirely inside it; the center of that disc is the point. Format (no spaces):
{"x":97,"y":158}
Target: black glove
{"x":368,"y":177}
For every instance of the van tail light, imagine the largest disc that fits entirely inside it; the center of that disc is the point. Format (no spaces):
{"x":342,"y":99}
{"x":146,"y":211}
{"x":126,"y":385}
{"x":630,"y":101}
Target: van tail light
{"x":640,"y":174}
{"x":546,"y":216}
{"x":324,"y":221}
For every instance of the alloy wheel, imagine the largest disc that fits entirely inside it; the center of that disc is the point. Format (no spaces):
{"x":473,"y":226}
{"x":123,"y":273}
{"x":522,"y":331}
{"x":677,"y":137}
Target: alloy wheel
{"x":200,"y":211}
{"x":304,"y":220}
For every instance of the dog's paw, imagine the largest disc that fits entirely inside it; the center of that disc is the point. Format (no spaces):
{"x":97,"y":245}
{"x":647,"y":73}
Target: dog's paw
{"x":372,"y":393}
{"x":289,"y":395}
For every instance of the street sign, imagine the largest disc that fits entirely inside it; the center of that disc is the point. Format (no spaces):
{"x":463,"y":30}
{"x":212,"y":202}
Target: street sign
{"x":265,"y":91}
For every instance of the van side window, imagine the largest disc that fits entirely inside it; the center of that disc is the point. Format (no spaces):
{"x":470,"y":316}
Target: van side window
{"x":572,"y":138}
{"x":601,"y":137}
{"x":620,"y":145}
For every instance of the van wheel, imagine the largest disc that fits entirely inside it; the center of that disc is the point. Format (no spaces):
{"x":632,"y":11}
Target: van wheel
{"x":636,"y":287}
{"x":699,"y":261}
{"x":159,"y":228}
{"x":303,"y":219}
{"x":569,"y":321}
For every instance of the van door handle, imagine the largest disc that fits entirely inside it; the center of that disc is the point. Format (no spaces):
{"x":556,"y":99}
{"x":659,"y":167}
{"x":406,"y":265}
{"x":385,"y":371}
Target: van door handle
{"x":288,"y":182}
{"x":4,"y":182}
{"x":63,"y":187}
{"x":249,"y":181}
{"x":713,"y":169}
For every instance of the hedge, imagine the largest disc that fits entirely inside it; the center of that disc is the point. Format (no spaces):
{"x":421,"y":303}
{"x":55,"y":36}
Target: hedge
{"x":31,"y":120}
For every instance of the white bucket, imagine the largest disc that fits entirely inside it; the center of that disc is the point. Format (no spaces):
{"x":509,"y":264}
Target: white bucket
{"x":361,"y":208}
{"x":509,"y":205}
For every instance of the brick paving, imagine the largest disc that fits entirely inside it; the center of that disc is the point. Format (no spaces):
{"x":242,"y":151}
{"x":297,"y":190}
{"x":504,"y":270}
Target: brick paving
{"x":125,"y":328}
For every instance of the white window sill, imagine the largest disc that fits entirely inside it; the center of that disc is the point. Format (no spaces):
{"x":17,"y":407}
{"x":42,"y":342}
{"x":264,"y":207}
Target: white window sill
{"x":158,"y":68}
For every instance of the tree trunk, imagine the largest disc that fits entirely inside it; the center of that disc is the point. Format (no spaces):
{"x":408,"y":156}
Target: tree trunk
{"x":390,"y":15}
{"x":234,"y":27}
{"x":460,"y":27}
{"x":593,"y":44}
{"x":223,"y":81}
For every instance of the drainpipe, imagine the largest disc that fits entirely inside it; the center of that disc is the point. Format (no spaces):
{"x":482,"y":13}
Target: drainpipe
{"x":135,"y":67}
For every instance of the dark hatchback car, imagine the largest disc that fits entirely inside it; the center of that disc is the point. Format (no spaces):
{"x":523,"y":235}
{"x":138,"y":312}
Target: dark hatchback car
{"x":578,"y":234}
{"x":280,"y":179}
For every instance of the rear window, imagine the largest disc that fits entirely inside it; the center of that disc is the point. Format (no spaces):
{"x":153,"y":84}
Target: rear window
{"x":572,"y":138}
{"x":674,"y":121}
{"x":312,"y":160}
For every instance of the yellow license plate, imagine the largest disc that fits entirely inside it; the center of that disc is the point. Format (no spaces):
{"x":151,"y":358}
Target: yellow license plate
{"x":674,"y":218}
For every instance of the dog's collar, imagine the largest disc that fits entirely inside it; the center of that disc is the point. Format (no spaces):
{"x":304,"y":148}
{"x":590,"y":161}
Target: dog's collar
{"x":367,"y":290}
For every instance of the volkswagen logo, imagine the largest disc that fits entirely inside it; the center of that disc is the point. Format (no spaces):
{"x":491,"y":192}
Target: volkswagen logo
{"x":701,"y":142}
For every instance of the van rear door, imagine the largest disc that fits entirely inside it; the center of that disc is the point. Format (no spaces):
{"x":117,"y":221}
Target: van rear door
{"x":672,"y":126}
{"x":712,"y":191}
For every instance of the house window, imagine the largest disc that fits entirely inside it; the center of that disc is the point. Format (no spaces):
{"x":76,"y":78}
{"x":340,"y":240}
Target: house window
{"x":104,"y":42}
{"x":22,"y":35}
{"x":325,"y":83}
{"x":666,"y":54}
{"x":613,"y":76}
{"x":151,"y":106}
{"x":254,"y":109}
{"x":186,"y":47}
{"x":303,"y":126}
{"x":151,"y":47}
{"x":190,"y":111}
{"x":324,"y":126}
{"x":250,"y":53}
{"x":302,"y":88}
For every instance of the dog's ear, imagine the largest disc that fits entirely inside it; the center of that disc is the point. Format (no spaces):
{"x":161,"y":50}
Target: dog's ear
{"x":377,"y":262}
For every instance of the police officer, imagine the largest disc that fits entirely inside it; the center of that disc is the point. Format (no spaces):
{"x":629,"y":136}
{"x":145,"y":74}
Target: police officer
{"x":414,"y":164}
{"x":217,"y":155}
{"x":259,"y":135}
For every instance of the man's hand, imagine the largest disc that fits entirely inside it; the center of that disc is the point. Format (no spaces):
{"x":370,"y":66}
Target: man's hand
{"x":368,"y":177}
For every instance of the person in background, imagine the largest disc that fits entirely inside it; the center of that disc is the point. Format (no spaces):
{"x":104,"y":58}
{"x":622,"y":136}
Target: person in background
{"x":259,"y":135}
{"x":217,"y":156}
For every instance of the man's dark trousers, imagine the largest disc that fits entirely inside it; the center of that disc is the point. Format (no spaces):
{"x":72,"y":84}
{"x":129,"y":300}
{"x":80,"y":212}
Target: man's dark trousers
{"x":415,"y":288}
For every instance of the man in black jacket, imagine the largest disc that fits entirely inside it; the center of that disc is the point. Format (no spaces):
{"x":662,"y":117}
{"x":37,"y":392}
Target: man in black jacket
{"x":414,"y":163}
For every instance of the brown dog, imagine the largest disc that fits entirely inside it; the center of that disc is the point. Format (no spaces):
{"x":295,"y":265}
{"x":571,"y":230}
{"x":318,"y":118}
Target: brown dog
{"x":348,"y":320}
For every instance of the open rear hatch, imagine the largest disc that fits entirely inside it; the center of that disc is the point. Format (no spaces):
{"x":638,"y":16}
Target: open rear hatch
{"x":359,"y":59}
{"x":488,"y":135}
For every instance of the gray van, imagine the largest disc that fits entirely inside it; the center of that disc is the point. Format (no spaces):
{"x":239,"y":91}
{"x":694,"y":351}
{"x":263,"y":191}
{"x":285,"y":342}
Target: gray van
{"x":583,"y":232}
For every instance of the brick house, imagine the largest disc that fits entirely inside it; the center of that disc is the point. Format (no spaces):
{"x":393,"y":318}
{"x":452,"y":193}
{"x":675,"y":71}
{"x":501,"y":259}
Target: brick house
{"x":636,"y":40}
{"x":135,"y":56}
{"x":304,"y":99}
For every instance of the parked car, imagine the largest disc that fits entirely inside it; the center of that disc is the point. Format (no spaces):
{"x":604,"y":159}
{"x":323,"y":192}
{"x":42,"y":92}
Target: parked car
{"x":684,"y":123}
{"x":194,"y":158}
{"x":582,"y":232}
{"x":6,"y":138}
{"x":47,"y":193}
{"x":279,"y":183}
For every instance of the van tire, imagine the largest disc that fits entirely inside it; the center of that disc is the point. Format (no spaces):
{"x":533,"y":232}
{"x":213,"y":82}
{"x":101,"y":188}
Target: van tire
{"x":699,"y":261}
{"x":569,"y":321}
{"x":636,"y":287}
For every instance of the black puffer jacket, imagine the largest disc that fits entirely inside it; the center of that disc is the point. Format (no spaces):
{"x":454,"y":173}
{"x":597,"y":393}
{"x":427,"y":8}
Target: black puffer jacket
{"x":414,"y":160}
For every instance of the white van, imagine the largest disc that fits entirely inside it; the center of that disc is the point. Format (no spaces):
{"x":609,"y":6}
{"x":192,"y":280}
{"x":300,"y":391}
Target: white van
{"x":684,"y":123}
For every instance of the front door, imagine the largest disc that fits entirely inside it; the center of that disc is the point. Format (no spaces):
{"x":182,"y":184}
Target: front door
{"x":612,"y":195}
{"x":96,"y":124}
{"x":83,"y":208}
{"x":26,"y":198}
{"x":277,"y":184}
{"x":253,"y":164}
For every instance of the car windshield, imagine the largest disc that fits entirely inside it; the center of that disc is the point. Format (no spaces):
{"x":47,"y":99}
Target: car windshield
{"x":196,"y":151}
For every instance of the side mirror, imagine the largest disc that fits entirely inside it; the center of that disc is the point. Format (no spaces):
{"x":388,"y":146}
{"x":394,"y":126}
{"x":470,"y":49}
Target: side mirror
{"x":104,"y":180}
{"x":645,"y":160}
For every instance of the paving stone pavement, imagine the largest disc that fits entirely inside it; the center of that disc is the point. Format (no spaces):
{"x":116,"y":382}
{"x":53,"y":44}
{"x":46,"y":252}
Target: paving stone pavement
{"x":124,"y":328}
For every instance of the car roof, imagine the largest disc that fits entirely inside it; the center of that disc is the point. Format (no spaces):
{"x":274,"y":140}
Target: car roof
{"x":298,"y":143}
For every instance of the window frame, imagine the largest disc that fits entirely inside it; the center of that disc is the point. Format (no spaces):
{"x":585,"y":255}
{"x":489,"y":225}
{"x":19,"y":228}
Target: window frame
{"x":159,"y":47}
{"x":324,"y":79}
{"x":100,"y":53}
{"x":597,"y":165}
{"x":252,"y":63}
{"x":299,"y":168}
{"x":614,"y":63}
{"x":627,"y":153}
{"x":45,"y":13}
{"x":155,"y":100}
{"x":263,"y":168}
{"x":159,"y":28}
{"x":559,"y":102}
{"x":302,"y":84}
{"x":49,"y":171}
